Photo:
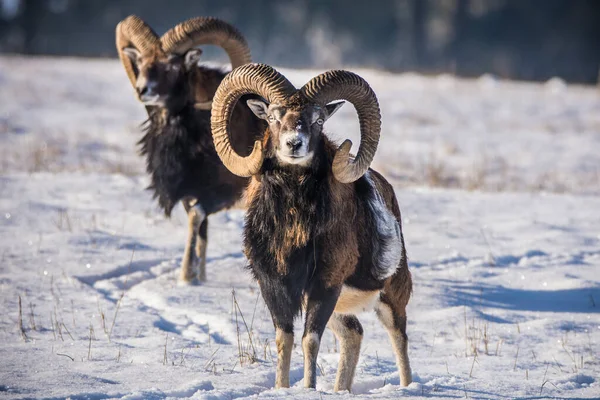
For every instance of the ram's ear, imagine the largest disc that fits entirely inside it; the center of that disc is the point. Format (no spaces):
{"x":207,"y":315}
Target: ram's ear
{"x":192,"y":58}
{"x":259,"y":108}
{"x":133,"y":54}
{"x":331,"y":108}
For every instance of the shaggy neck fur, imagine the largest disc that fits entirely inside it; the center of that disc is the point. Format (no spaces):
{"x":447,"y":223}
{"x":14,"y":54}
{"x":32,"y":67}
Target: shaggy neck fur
{"x":302,"y":224}
{"x":182,"y":161}
{"x":180,"y":154}
{"x":170,"y":144}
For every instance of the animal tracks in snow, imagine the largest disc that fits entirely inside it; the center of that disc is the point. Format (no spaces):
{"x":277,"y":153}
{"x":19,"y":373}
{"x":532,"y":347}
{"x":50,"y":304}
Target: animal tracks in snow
{"x":194,"y":312}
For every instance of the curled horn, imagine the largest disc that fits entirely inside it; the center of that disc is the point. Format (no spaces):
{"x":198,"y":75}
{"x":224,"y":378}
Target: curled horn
{"x":344,"y":85}
{"x":133,"y":32}
{"x":203,"y":30}
{"x":258,"y":79}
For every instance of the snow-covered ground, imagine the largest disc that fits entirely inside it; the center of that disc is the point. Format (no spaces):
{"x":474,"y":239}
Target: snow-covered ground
{"x":507,"y":284}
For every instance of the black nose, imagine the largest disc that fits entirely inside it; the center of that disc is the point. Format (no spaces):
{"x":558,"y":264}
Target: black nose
{"x":145,"y":90}
{"x":294,"y":144}
{"x":149,"y":88}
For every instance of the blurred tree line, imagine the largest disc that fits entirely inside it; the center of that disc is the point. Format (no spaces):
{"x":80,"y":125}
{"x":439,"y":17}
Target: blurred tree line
{"x":518,"y":39}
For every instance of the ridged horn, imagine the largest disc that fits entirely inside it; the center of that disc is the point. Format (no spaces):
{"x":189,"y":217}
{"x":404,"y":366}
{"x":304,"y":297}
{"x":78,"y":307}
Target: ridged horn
{"x":206,"y":30}
{"x":259,"y":79}
{"x":344,"y":85}
{"x":133,"y":32}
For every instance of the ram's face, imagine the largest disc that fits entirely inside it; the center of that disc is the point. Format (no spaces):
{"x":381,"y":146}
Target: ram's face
{"x":294,"y":133}
{"x":160,"y":78}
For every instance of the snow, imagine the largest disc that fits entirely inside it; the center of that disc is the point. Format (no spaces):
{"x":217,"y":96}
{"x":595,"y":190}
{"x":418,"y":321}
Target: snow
{"x":507,"y":280}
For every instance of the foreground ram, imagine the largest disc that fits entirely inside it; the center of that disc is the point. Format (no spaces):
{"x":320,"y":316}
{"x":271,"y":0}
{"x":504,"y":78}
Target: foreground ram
{"x":322,"y":231}
{"x":177,"y":92}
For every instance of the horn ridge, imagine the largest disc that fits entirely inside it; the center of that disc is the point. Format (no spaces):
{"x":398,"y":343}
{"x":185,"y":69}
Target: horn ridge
{"x":134,"y":32}
{"x":259,"y":79}
{"x":208,"y":30}
{"x":345,"y":85}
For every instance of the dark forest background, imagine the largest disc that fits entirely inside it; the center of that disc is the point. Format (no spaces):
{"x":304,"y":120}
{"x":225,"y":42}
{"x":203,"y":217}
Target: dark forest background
{"x":518,"y":39}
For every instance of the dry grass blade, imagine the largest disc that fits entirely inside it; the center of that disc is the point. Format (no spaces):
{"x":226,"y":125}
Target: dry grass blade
{"x":65,"y":355}
{"x":58,"y":325}
{"x":254,"y":311}
{"x":486,"y":339}
{"x":250,"y":354}
{"x":64,"y":221}
{"x":473,"y":365}
{"x":211,"y":359}
{"x":89,"y":355}
{"x":184,"y":355}
{"x":32,"y":317}
{"x":73,"y":313}
{"x":466,"y":332}
{"x":497,"y":353}
{"x":102,"y":316}
{"x":20,"y":323}
{"x":112,"y":325}
{"x":165,"y":359}
{"x":544,"y":384}
{"x":52,"y":326}
{"x":321,"y":371}
{"x":66,"y":330}
{"x":237,"y":326}
{"x":563,"y":342}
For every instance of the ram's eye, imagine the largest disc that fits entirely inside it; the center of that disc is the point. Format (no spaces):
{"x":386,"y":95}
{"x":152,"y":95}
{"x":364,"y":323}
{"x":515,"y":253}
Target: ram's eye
{"x":320,"y":121}
{"x":271,"y":118}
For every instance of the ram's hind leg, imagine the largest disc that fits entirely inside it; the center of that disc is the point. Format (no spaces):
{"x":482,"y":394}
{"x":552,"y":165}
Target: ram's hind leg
{"x":189,"y":263}
{"x":395,"y":324}
{"x":349,"y":332}
{"x":391,"y":311}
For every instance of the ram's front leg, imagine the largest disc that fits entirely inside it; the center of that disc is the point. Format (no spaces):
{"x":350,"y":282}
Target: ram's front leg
{"x":201,"y":243}
{"x":319,"y":307}
{"x":191,"y":260}
{"x":283,"y":301}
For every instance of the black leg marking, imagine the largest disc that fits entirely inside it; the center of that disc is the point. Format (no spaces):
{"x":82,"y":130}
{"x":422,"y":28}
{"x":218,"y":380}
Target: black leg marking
{"x":349,"y":332}
{"x":283,"y":298}
{"x":201,"y":245}
{"x":319,"y":307}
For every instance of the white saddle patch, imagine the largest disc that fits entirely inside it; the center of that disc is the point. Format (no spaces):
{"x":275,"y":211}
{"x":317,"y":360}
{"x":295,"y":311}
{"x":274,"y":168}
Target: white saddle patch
{"x":387,"y":259}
